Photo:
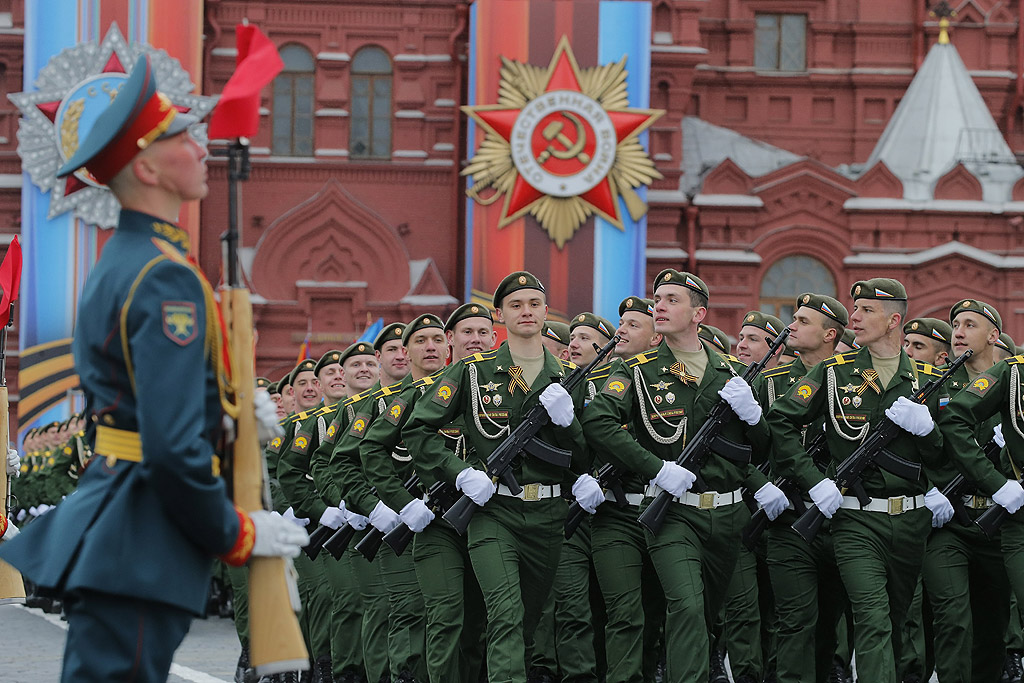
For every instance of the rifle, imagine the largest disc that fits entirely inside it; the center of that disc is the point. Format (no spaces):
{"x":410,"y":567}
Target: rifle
{"x":956,"y":489}
{"x":524,"y":438}
{"x":12,"y":587}
{"x":317,"y":540}
{"x":873,"y":451}
{"x":276,"y":641}
{"x":440,"y":497}
{"x":709,"y":439}
{"x":990,"y":520}
{"x":339,"y":540}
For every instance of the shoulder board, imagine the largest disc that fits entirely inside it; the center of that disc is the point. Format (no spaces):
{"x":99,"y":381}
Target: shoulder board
{"x":477,"y":357}
{"x":299,"y":417}
{"x":927,"y":369}
{"x":731,"y":358}
{"x":326,"y":410}
{"x":601,"y":373}
{"x":641,"y":358}
{"x":389,"y":390}
{"x":568,"y":365}
{"x":426,"y":381}
{"x":778,"y":370}
{"x":1015,"y":360}
{"x":841,"y":358}
{"x":357,"y":398}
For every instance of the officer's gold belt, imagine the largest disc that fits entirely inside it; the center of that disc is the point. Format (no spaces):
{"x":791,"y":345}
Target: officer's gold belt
{"x":118,"y":444}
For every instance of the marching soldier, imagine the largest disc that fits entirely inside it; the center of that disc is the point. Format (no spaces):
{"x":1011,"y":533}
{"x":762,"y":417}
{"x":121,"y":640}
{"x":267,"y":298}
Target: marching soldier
{"x":663,"y":395}
{"x":878,"y":547}
{"x":514,"y":541}
{"x":636,"y":327}
{"x":929,"y":340}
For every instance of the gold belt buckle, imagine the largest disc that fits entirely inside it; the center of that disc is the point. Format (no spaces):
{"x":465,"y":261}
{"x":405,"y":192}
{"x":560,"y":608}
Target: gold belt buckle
{"x":707,"y":501}
{"x":531,"y":492}
{"x":896,"y":505}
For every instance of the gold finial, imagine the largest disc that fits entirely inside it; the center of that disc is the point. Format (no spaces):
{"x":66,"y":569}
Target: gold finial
{"x":943,"y":11}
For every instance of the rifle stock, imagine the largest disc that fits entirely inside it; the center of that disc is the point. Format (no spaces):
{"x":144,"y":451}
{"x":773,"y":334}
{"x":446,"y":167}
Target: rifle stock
{"x":317,"y":540}
{"x":12,"y":588}
{"x":339,"y":540}
{"x":369,"y":544}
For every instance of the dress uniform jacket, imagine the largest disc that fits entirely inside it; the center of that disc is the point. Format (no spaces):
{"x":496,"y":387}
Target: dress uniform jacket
{"x":150,"y":511}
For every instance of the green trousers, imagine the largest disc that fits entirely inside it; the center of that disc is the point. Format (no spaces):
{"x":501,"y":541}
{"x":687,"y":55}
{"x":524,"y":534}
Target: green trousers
{"x":1015,"y":629}
{"x":970,"y":597}
{"x":315,"y":617}
{"x":694,"y":554}
{"x":745,"y":631}
{"x":514,"y":546}
{"x":633,"y":599}
{"x":346,"y":613}
{"x":453,"y":605}
{"x":879,"y":558}
{"x":374,"y":598}
{"x":564,"y":640}
{"x":918,"y":657}
{"x":406,"y":618}
{"x":239,"y":579}
{"x":809,"y":601}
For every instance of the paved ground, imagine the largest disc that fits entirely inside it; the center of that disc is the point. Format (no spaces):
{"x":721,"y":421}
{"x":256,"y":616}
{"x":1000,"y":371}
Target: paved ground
{"x":34,"y":644}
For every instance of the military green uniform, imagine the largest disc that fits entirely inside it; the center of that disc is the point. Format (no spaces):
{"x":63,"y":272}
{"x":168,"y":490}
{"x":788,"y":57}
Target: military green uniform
{"x":879,"y":555}
{"x":514,"y":543}
{"x":695,"y":551}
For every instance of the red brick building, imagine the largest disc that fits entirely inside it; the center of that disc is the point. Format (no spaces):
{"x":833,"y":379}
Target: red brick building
{"x":774,"y":178}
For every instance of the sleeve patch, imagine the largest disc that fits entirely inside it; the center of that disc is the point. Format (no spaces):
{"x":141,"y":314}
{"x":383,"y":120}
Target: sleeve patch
{"x":394,"y":412}
{"x":275,"y":445}
{"x":445,"y":392}
{"x":980,"y":386}
{"x":179,"y":321}
{"x":300,"y":444}
{"x":359,"y":426}
{"x":616,"y":386}
{"x":804,"y":391}
{"x":332,"y":431}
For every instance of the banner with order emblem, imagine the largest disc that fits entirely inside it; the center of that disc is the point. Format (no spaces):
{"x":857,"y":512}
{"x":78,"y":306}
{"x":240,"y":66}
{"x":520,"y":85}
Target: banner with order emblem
{"x":558,"y":168}
{"x":77,"y":54}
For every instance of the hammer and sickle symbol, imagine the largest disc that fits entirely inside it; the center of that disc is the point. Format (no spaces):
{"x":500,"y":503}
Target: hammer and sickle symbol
{"x":570,"y":149}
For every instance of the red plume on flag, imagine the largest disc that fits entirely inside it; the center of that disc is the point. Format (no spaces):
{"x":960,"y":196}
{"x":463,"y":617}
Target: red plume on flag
{"x":10,"y":280}
{"x":237,"y":113}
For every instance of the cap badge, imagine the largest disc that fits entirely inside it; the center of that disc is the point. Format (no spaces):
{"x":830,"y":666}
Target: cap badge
{"x":474,"y":309}
{"x":807,"y":297}
{"x":361,"y":348}
{"x":581,"y":318}
{"x":668,"y":276}
{"x":856,"y":290}
{"x":522,"y":279}
{"x":629,"y":303}
{"x":914,"y":326}
{"x":750,"y":318}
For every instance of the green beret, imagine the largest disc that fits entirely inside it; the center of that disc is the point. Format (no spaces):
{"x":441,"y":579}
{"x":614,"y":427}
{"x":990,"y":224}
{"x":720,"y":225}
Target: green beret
{"x":308,"y":364}
{"x":635,"y":303}
{"x":824,"y":304}
{"x":850,"y":339}
{"x":557,"y":331}
{"x":715,"y":336}
{"x":392,"y":331}
{"x":884,"y":288}
{"x":278,"y":386}
{"x":358,"y":349}
{"x":331,"y":357}
{"x":1005,"y":342}
{"x":979,"y":307}
{"x":263,"y":383}
{"x":670,"y":276}
{"x":932,"y":328}
{"x":769,"y":323}
{"x":421,"y":323}
{"x":464,"y":311}
{"x":513,"y":282}
{"x":595,"y":321}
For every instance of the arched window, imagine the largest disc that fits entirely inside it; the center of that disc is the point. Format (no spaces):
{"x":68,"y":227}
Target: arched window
{"x":293,"y":103}
{"x":790,"y":277}
{"x":371,"y":104}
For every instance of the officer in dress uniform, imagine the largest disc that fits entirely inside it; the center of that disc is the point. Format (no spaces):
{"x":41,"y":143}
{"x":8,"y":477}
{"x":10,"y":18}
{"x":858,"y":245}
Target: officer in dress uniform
{"x":131,"y":548}
{"x":514,"y":541}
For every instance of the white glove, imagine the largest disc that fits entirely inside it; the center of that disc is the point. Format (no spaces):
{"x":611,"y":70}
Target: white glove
{"x":911,"y":416}
{"x":772,"y":499}
{"x":21,"y":515}
{"x":289,"y":514}
{"x":267,"y":428}
{"x":741,"y":399}
{"x":383,"y":518}
{"x":13,"y":463}
{"x":826,"y":495}
{"x":558,"y":403}
{"x":276,"y":536}
{"x":34,"y":511}
{"x":588,"y":492}
{"x":44,"y":508}
{"x":997,"y":435}
{"x":942,"y":509}
{"x":416,"y":515}
{"x":11,"y":532}
{"x":475,"y":484}
{"x":356,"y":520}
{"x":333,"y":517}
{"x":1010,"y":495}
{"x":675,"y":479}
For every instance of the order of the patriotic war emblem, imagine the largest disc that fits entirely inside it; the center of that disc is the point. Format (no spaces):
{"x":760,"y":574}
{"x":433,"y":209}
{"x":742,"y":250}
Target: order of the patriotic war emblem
{"x":561,"y":145}
{"x":70,"y":92}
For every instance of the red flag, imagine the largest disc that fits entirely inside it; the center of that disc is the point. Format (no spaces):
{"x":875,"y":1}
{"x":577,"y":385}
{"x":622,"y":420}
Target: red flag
{"x":10,"y":280}
{"x":237,"y":113}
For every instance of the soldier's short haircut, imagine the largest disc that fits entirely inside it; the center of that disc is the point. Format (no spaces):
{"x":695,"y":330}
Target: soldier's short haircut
{"x":830,"y":323}
{"x":697,"y":299}
{"x":897,"y":306}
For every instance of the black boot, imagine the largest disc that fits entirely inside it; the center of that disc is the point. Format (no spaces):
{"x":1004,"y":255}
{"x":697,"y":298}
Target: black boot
{"x":323,"y":670}
{"x":540,"y":674}
{"x":717,"y":671}
{"x":1012,"y":669}
{"x":242,"y":668}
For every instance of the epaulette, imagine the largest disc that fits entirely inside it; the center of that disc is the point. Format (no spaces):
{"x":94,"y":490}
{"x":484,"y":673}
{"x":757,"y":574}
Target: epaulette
{"x":477,"y":357}
{"x":428,"y":380}
{"x":601,"y":373}
{"x":841,"y":358}
{"x":1015,"y":360}
{"x":300,"y":417}
{"x":731,"y":358}
{"x":358,"y":397}
{"x":778,"y":370}
{"x":326,"y":410}
{"x":567,"y":364}
{"x":927,"y":368}
{"x":641,"y":358}
{"x":389,"y":390}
